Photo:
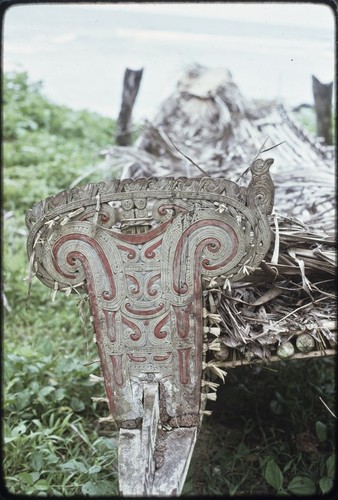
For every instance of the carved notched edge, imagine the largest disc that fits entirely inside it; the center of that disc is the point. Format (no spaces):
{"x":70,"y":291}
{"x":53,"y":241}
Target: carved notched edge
{"x":87,"y":194}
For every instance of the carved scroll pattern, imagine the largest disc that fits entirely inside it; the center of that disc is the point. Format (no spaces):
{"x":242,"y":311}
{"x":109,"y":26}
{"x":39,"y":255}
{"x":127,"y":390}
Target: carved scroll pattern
{"x":141,"y":248}
{"x":145,"y":293}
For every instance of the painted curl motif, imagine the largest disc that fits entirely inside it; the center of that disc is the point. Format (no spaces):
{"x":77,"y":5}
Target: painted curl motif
{"x":140,"y":249}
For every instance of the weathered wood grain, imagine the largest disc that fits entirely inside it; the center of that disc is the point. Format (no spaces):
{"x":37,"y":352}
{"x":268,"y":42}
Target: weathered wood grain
{"x":143,"y":250}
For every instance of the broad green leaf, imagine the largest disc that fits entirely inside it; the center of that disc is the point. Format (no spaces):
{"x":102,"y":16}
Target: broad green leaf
{"x":321,"y":431}
{"x":41,"y":485}
{"x":35,"y":476}
{"x":301,"y":485}
{"x":10,"y":439}
{"x":59,"y":394}
{"x":325,"y":484}
{"x":36,"y":461}
{"x":89,"y":488}
{"x":94,"y":469}
{"x":288,"y":465}
{"x":37,"y":423}
{"x":30,"y":490}
{"x":34,"y":386}
{"x":45,"y":391}
{"x":331,"y":466}
{"x":276,"y":407}
{"x":18,"y":430}
{"x":52,"y":458}
{"x":74,"y":465}
{"x":99,"y":488}
{"x":77,"y":405}
{"x":273,"y":475}
{"x":46,"y":347}
{"x":26,"y":477}
{"x":22,"y":400}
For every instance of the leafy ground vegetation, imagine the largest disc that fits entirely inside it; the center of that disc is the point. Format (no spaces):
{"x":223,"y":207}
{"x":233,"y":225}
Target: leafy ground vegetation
{"x":269,"y":433}
{"x":53,"y":442}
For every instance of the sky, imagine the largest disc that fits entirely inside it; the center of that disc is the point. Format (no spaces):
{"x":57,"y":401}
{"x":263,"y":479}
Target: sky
{"x":317,"y":15}
{"x":80,"y":51}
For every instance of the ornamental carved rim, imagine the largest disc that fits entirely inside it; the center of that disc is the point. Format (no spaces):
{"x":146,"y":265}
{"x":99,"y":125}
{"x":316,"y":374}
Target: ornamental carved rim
{"x":140,"y":249}
{"x":152,"y":187}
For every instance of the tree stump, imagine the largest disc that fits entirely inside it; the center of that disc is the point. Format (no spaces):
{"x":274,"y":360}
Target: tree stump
{"x":131,"y":85}
{"x":322,"y":93}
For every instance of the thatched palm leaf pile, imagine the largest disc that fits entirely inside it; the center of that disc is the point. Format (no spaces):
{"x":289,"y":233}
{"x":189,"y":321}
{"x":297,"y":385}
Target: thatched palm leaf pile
{"x":287,"y":306}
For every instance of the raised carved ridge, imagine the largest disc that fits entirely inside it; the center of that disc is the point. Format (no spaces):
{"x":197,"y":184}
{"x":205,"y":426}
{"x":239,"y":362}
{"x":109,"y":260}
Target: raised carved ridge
{"x":140,"y":248}
{"x":75,"y":198}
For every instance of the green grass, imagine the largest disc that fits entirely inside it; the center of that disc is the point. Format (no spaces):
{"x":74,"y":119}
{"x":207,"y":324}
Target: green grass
{"x":307,"y":119}
{"x":45,"y":146}
{"x":53,"y":442}
{"x":268,"y":416}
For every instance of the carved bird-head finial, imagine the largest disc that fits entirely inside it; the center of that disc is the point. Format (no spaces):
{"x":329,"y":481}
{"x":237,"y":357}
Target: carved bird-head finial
{"x":260,"y":166}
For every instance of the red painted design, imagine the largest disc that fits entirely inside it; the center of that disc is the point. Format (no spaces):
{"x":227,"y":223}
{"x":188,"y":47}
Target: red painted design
{"x":131,"y":251}
{"x":143,"y":312}
{"x":137,"y":359}
{"x":163,"y":209}
{"x":137,"y":239}
{"x":164,"y":357}
{"x":183,"y":363}
{"x":212,"y":244}
{"x":116,"y":360}
{"x":182,"y":314}
{"x":95,"y":312}
{"x":111,"y":326}
{"x":104,"y":216}
{"x":72,"y":256}
{"x":136,"y":290}
{"x":157,"y":331}
{"x":104,"y":360}
{"x":153,"y":292}
{"x":149,"y":253}
{"x":153,"y":336}
{"x":137,"y":332}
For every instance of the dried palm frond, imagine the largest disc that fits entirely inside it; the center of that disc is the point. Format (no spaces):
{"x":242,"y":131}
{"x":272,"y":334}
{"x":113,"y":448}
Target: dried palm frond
{"x":207,"y":126}
{"x":217,"y":131}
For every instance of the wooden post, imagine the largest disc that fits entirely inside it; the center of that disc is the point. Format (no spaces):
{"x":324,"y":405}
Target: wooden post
{"x":322,"y":93}
{"x":145,"y":292}
{"x":131,"y":84}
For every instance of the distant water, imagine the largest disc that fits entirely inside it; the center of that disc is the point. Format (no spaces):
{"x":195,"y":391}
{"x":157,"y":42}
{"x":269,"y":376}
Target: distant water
{"x":81,"y":55}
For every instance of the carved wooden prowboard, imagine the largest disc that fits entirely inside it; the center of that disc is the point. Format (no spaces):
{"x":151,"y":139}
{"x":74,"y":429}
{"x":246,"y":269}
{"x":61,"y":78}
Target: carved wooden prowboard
{"x":141,"y":249}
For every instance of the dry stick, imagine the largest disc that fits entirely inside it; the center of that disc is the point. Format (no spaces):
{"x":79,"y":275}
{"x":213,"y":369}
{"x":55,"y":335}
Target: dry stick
{"x":298,"y":308}
{"x":261,"y":150}
{"x":275,"y":255}
{"x":191,"y":161}
{"x":327,"y":407}
{"x":300,"y":355}
{"x":272,"y":147}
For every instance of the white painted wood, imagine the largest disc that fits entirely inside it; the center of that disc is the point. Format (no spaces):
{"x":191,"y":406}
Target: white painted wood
{"x":138,"y":475}
{"x":169,"y":479}
{"x":137,"y":447}
{"x":131,"y":475}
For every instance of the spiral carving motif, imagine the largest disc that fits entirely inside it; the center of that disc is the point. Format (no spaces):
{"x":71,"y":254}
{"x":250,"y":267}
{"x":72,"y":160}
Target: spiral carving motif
{"x":141,"y":249}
